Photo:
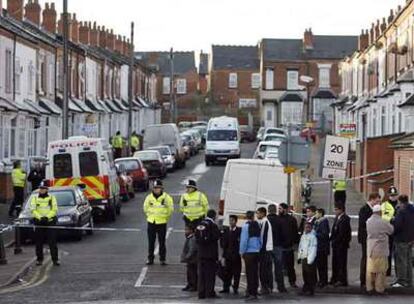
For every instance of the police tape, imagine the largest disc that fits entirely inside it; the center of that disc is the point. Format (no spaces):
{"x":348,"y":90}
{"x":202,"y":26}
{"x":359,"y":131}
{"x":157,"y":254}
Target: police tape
{"x":29,"y":226}
{"x":353,"y":178}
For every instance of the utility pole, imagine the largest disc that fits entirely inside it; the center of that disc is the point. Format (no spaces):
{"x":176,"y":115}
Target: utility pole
{"x":172,"y":101}
{"x":289,"y":175}
{"x":130,"y":88}
{"x":65,"y":108}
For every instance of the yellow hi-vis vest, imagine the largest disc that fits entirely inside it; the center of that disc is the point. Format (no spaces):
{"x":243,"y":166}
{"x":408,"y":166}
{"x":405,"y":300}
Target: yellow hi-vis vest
{"x":387,"y":211}
{"x":339,"y":185}
{"x":194,"y":205}
{"x":158,"y":210}
{"x":117,"y":141}
{"x":134,"y":141}
{"x":18,"y":178}
{"x":44,"y":207}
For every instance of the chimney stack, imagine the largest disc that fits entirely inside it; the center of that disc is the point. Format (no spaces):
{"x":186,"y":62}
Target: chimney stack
{"x":125,"y":46}
{"x":15,"y":9}
{"x":308,"y":40}
{"x":110,"y":40}
{"x":60,"y":26}
{"x":75,"y":29}
{"x":391,"y":17}
{"x":377,"y":30}
{"x":94,"y":35}
{"x":371,"y":34}
{"x":119,"y":44}
{"x":1,"y":8}
{"x":32,"y":11}
{"x":49,"y":18}
{"x":102,"y":37}
{"x":363,"y":41}
{"x":84,"y":33}
{"x":383,"y":25}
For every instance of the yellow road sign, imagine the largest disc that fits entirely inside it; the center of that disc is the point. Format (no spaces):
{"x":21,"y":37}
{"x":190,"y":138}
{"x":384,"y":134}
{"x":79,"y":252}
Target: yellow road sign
{"x":289,"y":170}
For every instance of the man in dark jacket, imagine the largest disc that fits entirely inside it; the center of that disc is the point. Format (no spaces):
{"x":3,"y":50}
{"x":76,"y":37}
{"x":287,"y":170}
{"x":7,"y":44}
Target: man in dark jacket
{"x":207,"y":236}
{"x":364,"y":214}
{"x":189,"y":256}
{"x":309,"y":217}
{"x":36,"y":176}
{"x":230,"y":243}
{"x":403,"y":242}
{"x":341,"y":236}
{"x":322,"y":234}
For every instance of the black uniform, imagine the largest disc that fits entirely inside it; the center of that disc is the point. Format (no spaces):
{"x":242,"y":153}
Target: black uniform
{"x":291,"y":239}
{"x":35,"y":178}
{"x":230,"y":243}
{"x":341,"y":235}
{"x":364,"y":214}
{"x":322,"y":234}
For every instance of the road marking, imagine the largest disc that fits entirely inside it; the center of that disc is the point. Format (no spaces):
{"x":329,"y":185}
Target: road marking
{"x":197,"y":173}
{"x":157,"y":247}
{"x":141,"y":277}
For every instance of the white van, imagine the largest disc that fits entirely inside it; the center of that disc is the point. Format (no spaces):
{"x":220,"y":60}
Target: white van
{"x":87,"y":161}
{"x":249,"y":184}
{"x":222,"y":140}
{"x":166,"y":135}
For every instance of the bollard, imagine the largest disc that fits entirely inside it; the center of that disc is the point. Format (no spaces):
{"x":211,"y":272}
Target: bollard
{"x":3,"y":259}
{"x":17,"y":241}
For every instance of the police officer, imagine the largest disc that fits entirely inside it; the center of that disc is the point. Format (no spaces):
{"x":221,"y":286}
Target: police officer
{"x":43,"y":207}
{"x":193,"y":204}
{"x":339,"y":189}
{"x":117,"y":144}
{"x":388,"y":212}
{"x":19,"y":181}
{"x":134,"y":142}
{"x":158,"y":207}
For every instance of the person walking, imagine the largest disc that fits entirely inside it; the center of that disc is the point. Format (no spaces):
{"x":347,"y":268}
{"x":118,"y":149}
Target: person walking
{"x":19,"y":181}
{"x":207,"y":236}
{"x":388,"y":209}
{"x":193,"y":205}
{"x":265,"y":257}
{"x":36,"y":176}
{"x":341,"y":236}
{"x":44,"y":208}
{"x":118,"y":145}
{"x":158,"y":208}
{"x":230,"y":243}
{"x":189,"y":256}
{"x":322,"y":235}
{"x":250,"y":245}
{"x":306,"y":256}
{"x":403,"y":242}
{"x":378,"y":231}
{"x":134,"y":142}
{"x":277,"y":223}
{"x":339,"y":189}
{"x":364,"y":214}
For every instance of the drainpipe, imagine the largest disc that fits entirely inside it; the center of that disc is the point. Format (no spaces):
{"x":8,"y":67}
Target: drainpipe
{"x":14,"y":66}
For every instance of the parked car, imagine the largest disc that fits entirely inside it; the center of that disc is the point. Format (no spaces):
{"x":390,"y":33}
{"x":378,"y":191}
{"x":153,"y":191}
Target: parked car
{"x":274,"y":137}
{"x":190,"y":143}
{"x":199,"y":123}
{"x":274,"y":131}
{"x":136,"y":170}
{"x":265,"y":147}
{"x":126,"y":187}
{"x":74,"y":210}
{"x":153,"y":162}
{"x":246,"y":133}
{"x":167,"y":156}
{"x":203,"y":132}
{"x":260,"y":133}
{"x":196,"y":137}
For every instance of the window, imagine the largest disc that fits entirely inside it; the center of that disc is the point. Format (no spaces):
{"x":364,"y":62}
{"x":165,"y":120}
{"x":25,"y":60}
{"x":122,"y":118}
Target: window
{"x":400,"y":122}
{"x":269,"y":115}
{"x":383,"y":121}
{"x":255,"y":80}
{"x":324,"y":77}
{"x":292,"y":80}
{"x":292,"y":113}
{"x":18,"y":71}
{"x":166,"y":85}
{"x":233,"y":80}
{"x":88,"y":164}
{"x":51,"y":77}
{"x":30,"y":80}
{"x":222,"y":135}
{"x":43,"y":88}
{"x":130,"y":165}
{"x":393,"y":125}
{"x":181,"y":86}
{"x":62,"y":165}
{"x":8,"y":78}
{"x":374,"y":122}
{"x":269,"y":79}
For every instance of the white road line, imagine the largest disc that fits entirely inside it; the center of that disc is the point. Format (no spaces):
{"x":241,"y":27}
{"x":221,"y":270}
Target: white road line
{"x":197,"y":173}
{"x":157,"y":247}
{"x":141,"y":277}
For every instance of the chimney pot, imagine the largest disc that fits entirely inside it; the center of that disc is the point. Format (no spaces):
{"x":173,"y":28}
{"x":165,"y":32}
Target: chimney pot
{"x":49,"y":18}
{"x":308,"y":40}
{"x":15,"y":9}
{"x":32,"y":12}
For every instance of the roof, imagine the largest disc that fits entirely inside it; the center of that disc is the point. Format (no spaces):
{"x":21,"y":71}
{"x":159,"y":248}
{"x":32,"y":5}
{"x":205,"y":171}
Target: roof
{"x":404,"y":141}
{"x":235,"y":57}
{"x":408,"y":102}
{"x":324,"y":47}
{"x":203,"y":66}
{"x":406,"y":77}
{"x":184,"y":62}
{"x":291,"y":96}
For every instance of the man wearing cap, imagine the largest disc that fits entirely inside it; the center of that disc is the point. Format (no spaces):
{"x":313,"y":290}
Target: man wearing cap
{"x":158,"y":207}
{"x":388,"y":212}
{"x":193,"y":204}
{"x":43,"y":207}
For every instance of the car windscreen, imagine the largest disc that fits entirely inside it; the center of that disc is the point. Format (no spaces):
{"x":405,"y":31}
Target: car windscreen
{"x":275,"y":131}
{"x":163,"y":150}
{"x":64,"y":198}
{"x":62,"y":165}
{"x":222,"y":135}
{"x":88,"y":164}
{"x":274,"y":138}
{"x":147,"y":156}
{"x":130,"y":164}
{"x":266,"y":148}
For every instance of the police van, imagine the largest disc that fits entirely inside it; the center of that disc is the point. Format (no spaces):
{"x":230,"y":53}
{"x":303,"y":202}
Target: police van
{"x":87,"y":161}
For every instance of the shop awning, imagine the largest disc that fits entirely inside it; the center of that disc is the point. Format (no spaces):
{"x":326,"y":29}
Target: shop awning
{"x":36,"y":107}
{"x":6,"y":105}
{"x":93,"y":104}
{"x":110,"y":104}
{"x":82,"y":105}
{"x":120,"y":105}
{"x":50,"y":106}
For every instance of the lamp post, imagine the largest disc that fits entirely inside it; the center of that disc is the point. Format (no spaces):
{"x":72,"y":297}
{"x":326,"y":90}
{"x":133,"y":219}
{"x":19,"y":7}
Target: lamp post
{"x":307,"y":80}
{"x":65,"y":110}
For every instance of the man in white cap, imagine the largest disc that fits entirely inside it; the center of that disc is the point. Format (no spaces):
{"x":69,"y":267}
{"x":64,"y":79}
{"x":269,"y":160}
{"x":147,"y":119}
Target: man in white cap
{"x":193,"y":205}
{"x":378,"y":231}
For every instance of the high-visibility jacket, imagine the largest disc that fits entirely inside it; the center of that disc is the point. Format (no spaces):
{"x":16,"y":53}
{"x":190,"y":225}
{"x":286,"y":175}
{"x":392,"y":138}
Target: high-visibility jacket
{"x":194,"y":205}
{"x":134,"y":141}
{"x":158,"y":210}
{"x":18,"y":177}
{"x":44,"y":207}
{"x":339,"y":185}
{"x":387,"y":211}
{"x":117,"y":141}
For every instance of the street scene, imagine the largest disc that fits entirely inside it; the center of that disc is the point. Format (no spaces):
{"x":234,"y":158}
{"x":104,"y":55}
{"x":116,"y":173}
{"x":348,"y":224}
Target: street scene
{"x":140,"y":166}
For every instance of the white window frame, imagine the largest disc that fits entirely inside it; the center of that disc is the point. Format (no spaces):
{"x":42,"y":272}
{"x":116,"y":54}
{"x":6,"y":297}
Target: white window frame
{"x":270,"y":78}
{"x":166,"y":85}
{"x":30,"y":78}
{"x":182,"y":86}
{"x":17,"y":75}
{"x":325,"y":75}
{"x":8,"y":83}
{"x":233,"y":80}
{"x":292,"y":79}
{"x":255,"y":80}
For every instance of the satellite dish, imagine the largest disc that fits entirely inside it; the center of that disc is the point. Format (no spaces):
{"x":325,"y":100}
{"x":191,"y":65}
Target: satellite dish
{"x":306,"y":79}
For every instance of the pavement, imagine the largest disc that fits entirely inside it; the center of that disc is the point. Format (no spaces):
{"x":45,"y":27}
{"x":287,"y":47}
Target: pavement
{"x":109,"y":267}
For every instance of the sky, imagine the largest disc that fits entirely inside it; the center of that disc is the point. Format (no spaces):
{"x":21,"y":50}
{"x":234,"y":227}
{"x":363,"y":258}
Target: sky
{"x":197,"y":24}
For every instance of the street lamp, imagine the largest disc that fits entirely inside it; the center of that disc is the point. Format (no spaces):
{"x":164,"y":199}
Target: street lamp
{"x":307,"y":80}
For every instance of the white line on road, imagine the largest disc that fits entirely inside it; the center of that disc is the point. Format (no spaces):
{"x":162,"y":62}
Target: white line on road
{"x":197,"y":173}
{"x":141,"y":277}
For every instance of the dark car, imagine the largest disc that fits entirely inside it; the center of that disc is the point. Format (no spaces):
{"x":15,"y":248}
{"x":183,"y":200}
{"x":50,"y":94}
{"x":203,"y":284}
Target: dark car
{"x":246,"y":133}
{"x":189,"y":141}
{"x":136,"y":170}
{"x":153,"y":162}
{"x":167,"y":156}
{"x":74,"y":210}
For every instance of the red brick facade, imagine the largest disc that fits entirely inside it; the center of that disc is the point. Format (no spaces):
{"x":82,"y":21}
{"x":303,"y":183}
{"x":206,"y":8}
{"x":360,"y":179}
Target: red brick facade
{"x":403,"y":162}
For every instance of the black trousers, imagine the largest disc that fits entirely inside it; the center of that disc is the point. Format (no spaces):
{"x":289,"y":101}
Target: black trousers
{"x":251,"y":262}
{"x":45,"y":234}
{"x":391,"y":247}
{"x":154,"y":231}
{"x":363,"y":266}
{"x":339,"y":265}
{"x":265,"y":271}
{"x":192,"y":275}
{"x":340,"y":197}
{"x":289,"y":263}
{"x":17,"y":203}
{"x":117,"y":153}
{"x":194,"y":223}
{"x":233,"y":270}
{"x":322,"y":267}
{"x":207,"y":269}
{"x":309,"y":276}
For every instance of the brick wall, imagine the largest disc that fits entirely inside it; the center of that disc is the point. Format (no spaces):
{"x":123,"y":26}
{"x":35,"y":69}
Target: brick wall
{"x":402,"y":165}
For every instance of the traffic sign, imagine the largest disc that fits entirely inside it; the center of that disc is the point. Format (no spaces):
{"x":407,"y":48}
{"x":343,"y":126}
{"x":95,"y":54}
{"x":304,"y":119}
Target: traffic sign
{"x":335,"y":158}
{"x":299,"y":153}
{"x":289,"y":170}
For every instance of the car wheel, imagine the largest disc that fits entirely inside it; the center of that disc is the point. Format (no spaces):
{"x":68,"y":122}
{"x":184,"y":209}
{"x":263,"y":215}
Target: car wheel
{"x":91,"y":225}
